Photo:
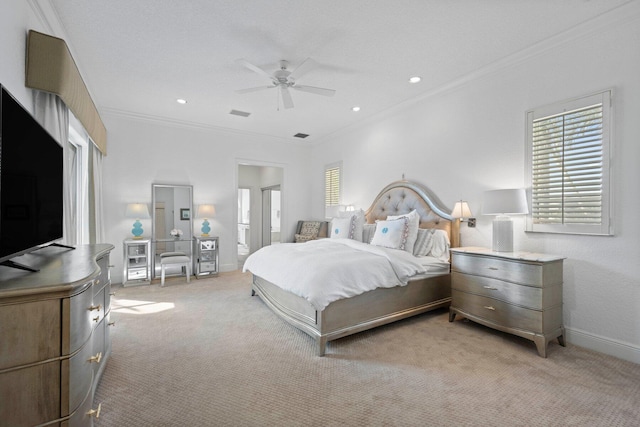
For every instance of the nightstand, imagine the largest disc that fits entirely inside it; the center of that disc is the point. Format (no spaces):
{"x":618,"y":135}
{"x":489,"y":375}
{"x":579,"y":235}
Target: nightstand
{"x":515,"y":292}
{"x":205,"y":256}
{"x":137,"y":262}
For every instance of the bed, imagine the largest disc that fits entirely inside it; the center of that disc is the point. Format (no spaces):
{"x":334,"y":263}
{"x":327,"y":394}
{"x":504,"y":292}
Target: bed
{"x":357,"y":311}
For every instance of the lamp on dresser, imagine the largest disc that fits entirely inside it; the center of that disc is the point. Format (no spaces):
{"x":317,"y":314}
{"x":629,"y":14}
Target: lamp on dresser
{"x":205,"y":212}
{"x":504,"y":203}
{"x":137,"y":211}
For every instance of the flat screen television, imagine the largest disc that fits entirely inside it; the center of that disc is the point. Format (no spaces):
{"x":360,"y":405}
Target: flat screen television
{"x":31,"y":186}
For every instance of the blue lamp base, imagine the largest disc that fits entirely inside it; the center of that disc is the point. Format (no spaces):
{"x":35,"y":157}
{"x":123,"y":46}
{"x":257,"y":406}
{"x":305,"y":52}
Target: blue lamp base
{"x":137,"y":230}
{"x":205,"y":228}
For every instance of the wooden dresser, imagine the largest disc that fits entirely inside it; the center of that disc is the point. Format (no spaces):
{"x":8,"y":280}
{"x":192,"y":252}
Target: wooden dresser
{"x":54,"y":336}
{"x":515,"y":292}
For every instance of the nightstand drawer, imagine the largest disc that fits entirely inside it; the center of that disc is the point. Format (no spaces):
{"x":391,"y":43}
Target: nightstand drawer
{"x":498,"y":312}
{"x":512,"y":271}
{"x":525,"y":296}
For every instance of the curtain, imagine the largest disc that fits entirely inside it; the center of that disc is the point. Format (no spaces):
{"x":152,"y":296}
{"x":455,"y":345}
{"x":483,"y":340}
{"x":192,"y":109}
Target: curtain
{"x":53,"y":115}
{"x":96,"y":211}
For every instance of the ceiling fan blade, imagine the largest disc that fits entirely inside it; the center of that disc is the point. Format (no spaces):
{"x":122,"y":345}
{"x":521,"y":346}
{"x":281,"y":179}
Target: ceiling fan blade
{"x":253,"y":89}
{"x":316,"y":90}
{"x":286,"y":97}
{"x":306,"y":66}
{"x":255,"y":69}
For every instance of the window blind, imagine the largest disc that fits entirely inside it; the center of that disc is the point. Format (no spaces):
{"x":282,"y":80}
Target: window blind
{"x":567,"y":167}
{"x":332,"y":186}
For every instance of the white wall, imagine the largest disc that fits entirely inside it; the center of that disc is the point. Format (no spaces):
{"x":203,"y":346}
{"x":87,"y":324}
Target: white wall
{"x":470,"y":138}
{"x":142,"y":152}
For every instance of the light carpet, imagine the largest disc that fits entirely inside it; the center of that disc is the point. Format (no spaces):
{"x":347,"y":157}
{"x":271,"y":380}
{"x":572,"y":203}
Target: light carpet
{"x":209,"y":354}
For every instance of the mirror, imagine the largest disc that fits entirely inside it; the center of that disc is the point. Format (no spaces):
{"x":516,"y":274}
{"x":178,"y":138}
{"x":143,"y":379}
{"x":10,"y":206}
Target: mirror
{"x":172,"y":207}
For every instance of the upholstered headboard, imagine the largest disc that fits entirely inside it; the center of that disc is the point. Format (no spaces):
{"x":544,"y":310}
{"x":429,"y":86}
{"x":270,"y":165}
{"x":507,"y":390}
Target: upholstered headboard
{"x":401,"y":197}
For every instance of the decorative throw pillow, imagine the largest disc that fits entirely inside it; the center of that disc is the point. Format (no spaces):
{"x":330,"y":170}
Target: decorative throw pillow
{"x":301,"y":238}
{"x":359,"y":222}
{"x":368,"y":231}
{"x":310,"y":228}
{"x":391,"y":233}
{"x":343,"y":228}
{"x":432,"y":242}
{"x":414,"y":223}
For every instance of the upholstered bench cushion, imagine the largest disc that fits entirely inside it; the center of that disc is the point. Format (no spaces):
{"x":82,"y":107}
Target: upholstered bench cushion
{"x":170,"y":254}
{"x":181,"y":259}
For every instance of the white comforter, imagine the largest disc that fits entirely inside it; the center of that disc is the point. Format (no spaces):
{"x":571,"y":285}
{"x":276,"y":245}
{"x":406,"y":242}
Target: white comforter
{"x":326,"y":270}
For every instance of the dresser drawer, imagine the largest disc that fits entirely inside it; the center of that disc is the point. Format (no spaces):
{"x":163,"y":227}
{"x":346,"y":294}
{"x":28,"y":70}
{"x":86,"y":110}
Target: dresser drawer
{"x":526,"y":273}
{"x":104,"y":277}
{"x":15,"y":319}
{"x":522,"y":295}
{"x":79,"y":371}
{"x":137,"y":274}
{"x":498,"y":312}
{"x":30,"y":396}
{"x":78,"y":329}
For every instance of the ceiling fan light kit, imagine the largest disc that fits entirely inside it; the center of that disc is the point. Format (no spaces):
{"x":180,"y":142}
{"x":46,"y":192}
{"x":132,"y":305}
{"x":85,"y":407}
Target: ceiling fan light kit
{"x":283,"y":79}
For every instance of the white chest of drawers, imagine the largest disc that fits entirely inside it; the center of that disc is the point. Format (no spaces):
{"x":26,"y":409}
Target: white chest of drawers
{"x":515,"y":292}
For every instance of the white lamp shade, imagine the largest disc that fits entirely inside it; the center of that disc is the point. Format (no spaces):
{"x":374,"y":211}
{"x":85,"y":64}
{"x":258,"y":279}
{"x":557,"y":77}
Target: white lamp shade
{"x":137,"y":211}
{"x":461,"y":210}
{"x":206,"y":211}
{"x":505,"y":202}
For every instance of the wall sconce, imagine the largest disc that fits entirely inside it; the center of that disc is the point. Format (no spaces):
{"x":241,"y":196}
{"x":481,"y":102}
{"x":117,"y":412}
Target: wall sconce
{"x":137,"y":211}
{"x":205,"y":212}
{"x":461,"y":211}
{"x":504,"y":203}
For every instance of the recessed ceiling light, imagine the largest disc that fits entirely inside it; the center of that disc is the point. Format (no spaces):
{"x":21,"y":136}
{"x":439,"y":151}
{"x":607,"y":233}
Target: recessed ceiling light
{"x":181,"y":101}
{"x":356,"y":108}
{"x":415,"y":79}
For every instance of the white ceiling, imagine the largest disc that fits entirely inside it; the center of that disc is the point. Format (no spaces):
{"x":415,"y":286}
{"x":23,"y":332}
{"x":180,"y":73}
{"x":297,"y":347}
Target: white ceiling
{"x":138,"y":57}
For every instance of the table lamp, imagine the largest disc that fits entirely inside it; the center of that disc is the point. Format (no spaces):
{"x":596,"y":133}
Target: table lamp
{"x":205,"y":212}
{"x":504,"y":203}
{"x":137,"y":211}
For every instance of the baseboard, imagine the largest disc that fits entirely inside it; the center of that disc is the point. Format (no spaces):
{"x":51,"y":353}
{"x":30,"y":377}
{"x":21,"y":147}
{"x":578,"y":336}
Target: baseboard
{"x":619,"y":349}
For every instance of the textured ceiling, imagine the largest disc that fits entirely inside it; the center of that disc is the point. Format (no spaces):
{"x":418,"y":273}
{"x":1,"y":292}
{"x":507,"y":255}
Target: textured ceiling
{"x":138,"y":57}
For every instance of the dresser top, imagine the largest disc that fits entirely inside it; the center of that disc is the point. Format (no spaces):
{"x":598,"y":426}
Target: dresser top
{"x":521,"y":255}
{"x":60,"y":270}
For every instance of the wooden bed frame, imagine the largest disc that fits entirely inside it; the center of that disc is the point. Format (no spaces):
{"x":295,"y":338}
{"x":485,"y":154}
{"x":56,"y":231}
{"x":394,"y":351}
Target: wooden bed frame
{"x":380,"y":306}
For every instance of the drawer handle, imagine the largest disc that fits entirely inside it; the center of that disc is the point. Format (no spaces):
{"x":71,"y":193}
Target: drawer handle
{"x":111,"y":324}
{"x":97,"y":281}
{"x":95,"y":412}
{"x":95,"y":319}
{"x":97,"y":358}
{"x":493,"y":268}
{"x":488,"y":307}
{"x":113,"y":294}
{"x":491,"y":288}
{"x":95,"y":307}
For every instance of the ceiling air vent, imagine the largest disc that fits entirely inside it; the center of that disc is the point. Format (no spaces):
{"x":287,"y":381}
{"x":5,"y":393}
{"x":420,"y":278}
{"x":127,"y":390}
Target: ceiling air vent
{"x":239,"y":113}
{"x":300,"y":135}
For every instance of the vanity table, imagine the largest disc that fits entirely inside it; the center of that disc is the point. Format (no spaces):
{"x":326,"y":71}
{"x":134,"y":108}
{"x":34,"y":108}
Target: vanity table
{"x":172,"y":206}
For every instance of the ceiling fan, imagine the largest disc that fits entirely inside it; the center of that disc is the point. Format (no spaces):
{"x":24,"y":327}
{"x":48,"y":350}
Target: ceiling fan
{"x":283,"y":79}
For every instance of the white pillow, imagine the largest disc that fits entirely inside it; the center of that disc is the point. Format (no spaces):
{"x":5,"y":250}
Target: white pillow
{"x":391,"y":233}
{"x":432,"y":242}
{"x":343,"y":228}
{"x":414,"y":223}
{"x":368,"y":232}
{"x":359,"y":223}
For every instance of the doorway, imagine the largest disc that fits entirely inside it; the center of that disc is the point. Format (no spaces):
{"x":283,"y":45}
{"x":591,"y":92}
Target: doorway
{"x":271,"y":215}
{"x":260,"y":208}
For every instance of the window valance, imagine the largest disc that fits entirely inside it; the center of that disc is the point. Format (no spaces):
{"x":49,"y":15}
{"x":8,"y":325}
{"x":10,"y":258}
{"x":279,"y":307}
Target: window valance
{"x":51,"y":68}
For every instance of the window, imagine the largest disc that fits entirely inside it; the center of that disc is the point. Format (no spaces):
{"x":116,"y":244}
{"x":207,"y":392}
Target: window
{"x":568,"y":151}
{"x":79,"y":165}
{"x":332,"y":188}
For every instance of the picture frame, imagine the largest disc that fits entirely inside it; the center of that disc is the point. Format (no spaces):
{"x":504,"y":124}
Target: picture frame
{"x":185,"y":214}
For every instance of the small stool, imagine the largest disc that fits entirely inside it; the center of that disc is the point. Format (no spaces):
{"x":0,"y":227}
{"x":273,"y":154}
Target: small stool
{"x":168,"y":260}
